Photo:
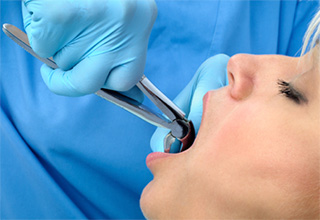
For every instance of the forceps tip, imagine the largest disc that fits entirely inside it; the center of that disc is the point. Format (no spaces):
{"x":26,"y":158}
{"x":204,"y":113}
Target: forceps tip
{"x":5,"y":26}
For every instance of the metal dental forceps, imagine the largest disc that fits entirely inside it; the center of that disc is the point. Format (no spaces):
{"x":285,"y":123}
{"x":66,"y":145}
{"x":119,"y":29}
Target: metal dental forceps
{"x":180,"y":127}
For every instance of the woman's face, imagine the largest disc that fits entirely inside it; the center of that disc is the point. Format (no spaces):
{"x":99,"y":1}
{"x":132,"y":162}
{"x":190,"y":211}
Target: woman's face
{"x":257,"y":152}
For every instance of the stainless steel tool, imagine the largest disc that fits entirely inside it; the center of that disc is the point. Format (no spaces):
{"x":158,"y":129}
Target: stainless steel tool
{"x":180,"y":127}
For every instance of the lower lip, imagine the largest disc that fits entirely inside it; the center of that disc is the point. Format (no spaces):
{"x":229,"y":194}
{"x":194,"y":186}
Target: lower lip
{"x":151,"y":158}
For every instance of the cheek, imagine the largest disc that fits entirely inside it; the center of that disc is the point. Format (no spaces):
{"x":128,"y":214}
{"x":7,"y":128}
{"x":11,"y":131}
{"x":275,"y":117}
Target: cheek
{"x":267,"y":139}
{"x":252,"y":157}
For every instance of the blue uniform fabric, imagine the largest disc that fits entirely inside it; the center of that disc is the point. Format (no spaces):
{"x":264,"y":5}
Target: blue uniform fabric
{"x":83,"y":157}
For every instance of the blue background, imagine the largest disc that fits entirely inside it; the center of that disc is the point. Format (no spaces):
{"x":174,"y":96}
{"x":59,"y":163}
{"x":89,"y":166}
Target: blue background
{"x":84,"y":157}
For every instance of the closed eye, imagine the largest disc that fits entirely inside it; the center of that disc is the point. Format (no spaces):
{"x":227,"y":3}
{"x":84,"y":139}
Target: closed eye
{"x":287,"y":89}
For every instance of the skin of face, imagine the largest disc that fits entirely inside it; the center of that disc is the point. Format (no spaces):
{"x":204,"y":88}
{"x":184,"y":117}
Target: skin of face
{"x":257,"y":152}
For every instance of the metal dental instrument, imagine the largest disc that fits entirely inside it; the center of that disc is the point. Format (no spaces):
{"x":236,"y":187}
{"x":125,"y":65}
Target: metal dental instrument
{"x":180,"y":127}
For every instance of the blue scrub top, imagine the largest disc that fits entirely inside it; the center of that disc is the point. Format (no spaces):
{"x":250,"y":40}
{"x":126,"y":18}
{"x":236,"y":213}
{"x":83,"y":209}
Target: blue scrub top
{"x":83,"y":157}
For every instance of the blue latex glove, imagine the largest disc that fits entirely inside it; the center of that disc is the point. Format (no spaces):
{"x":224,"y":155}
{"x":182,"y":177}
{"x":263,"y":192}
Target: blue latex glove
{"x":96,"y":43}
{"x":212,"y":74}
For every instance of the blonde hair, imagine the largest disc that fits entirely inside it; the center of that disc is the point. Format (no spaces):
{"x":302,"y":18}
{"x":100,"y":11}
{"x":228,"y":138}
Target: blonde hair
{"x":312,"y":35}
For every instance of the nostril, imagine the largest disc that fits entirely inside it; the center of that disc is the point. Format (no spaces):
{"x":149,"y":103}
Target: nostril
{"x":241,"y":71}
{"x":230,"y":78}
{"x":241,"y":88}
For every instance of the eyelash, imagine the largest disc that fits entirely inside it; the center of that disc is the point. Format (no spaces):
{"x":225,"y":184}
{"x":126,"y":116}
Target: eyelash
{"x":288,"y":91}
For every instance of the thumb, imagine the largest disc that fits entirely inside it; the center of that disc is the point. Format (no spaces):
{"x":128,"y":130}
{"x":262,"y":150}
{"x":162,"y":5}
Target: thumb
{"x":87,"y":77}
{"x":211,"y":75}
{"x":125,"y":75}
{"x":58,"y":82}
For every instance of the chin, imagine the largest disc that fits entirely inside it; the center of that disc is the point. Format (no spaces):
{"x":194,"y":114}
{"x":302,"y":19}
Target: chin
{"x":155,"y":202}
{"x":146,"y":201}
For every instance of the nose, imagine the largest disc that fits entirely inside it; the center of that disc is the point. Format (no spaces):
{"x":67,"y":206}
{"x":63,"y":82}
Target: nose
{"x":241,"y":71}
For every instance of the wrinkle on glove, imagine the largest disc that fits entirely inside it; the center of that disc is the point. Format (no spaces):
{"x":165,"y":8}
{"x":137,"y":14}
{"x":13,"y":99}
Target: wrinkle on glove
{"x":212,"y":74}
{"x":96,"y":43}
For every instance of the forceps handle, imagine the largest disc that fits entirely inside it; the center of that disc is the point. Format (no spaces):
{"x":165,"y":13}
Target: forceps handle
{"x":154,"y":94}
{"x":180,"y":127}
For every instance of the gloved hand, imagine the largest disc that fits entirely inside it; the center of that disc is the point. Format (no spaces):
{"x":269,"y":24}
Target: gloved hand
{"x":96,"y":43}
{"x":212,"y":74}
